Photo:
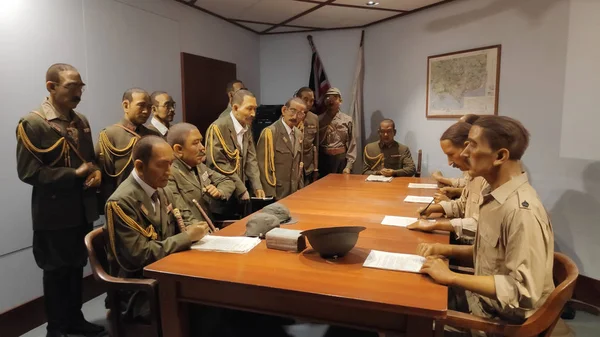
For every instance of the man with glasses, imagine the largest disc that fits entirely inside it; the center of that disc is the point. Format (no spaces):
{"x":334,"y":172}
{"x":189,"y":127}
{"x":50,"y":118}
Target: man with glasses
{"x":279,"y":152}
{"x":163,"y":111}
{"x":55,"y":154}
{"x":387,"y":157}
{"x":116,"y":142}
{"x":232,"y":88}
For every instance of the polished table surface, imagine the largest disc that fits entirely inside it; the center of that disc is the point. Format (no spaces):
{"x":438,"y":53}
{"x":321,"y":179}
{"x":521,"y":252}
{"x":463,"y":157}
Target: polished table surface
{"x":303,"y":284}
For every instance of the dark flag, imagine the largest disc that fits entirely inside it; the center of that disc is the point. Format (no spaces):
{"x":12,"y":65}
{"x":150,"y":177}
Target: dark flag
{"x":318,"y":82}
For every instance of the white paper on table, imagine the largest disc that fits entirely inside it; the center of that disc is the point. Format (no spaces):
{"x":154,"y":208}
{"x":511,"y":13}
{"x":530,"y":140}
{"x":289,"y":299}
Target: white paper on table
{"x":418,"y":200}
{"x":394,"y":261}
{"x":383,"y":179}
{"x":399,"y":221}
{"x":425,"y":186}
{"x":226,"y":244}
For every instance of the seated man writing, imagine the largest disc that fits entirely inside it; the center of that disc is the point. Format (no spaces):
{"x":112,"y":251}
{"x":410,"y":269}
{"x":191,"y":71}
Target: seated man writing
{"x":140,"y":219}
{"x":387,"y":157}
{"x":514,"y":246}
{"x":192,"y":183}
{"x":465,"y":210}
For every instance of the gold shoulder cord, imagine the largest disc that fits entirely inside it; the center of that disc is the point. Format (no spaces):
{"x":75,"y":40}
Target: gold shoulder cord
{"x":213,"y":130}
{"x":107,"y":147}
{"x":35,"y":151}
{"x":111,"y":207}
{"x":378,"y":158}
{"x":269,"y":157}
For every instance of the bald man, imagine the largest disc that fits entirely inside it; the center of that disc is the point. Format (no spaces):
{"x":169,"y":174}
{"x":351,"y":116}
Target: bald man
{"x":279,"y":152}
{"x":387,"y":157}
{"x":192,"y":182}
{"x":116,"y":142}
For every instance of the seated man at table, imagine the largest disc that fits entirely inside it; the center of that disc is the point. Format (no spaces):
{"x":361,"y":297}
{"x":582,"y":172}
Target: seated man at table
{"x":514,"y":246}
{"x":192,"y":183}
{"x":465,"y":210}
{"x":387,"y":157}
{"x":140,"y":221}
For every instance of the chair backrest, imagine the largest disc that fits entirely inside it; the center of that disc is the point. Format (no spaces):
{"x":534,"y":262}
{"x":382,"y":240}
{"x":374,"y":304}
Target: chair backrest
{"x":545,"y":318}
{"x":95,"y":242}
{"x":419,"y":159}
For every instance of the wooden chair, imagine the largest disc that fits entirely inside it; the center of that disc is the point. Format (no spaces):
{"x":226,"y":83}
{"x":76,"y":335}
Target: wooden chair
{"x":96,"y":244}
{"x":419,"y":159}
{"x":543,"y":320}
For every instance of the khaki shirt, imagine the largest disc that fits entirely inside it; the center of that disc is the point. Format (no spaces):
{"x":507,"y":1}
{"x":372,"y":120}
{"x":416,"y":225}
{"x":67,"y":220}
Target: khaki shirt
{"x":515,"y":244}
{"x":339,"y":133}
{"x":395,"y":156}
{"x":461,"y":182}
{"x":111,"y":164}
{"x":186,"y":186}
{"x":287,"y":159}
{"x":58,"y":200}
{"x":465,"y":210}
{"x":310,"y":155}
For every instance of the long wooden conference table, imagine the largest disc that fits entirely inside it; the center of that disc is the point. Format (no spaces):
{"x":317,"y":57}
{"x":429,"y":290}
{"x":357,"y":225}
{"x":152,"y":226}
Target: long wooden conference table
{"x":305,"y":286}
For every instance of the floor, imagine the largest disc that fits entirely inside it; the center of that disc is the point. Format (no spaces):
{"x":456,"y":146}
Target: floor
{"x":584,"y":325}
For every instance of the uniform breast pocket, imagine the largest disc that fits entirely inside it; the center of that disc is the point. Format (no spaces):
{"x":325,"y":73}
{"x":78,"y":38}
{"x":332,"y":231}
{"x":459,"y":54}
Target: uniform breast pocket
{"x":489,"y":252}
{"x":392,"y":162}
{"x":282,"y":153}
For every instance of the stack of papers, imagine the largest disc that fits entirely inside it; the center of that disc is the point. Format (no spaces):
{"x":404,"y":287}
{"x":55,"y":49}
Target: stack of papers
{"x":379,"y":178}
{"x":399,"y":221}
{"x":425,"y":186}
{"x":394,"y":261}
{"x":226,"y":244}
{"x":418,"y":200}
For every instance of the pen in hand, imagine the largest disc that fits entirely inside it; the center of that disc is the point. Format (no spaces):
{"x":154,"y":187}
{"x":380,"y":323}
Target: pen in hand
{"x":425,"y":209}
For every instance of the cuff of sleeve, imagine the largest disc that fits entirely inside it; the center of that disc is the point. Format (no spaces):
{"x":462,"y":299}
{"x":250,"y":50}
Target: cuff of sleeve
{"x":447,"y":206}
{"x":506,"y":291}
{"x":182,"y":241}
{"x":458,"y":227}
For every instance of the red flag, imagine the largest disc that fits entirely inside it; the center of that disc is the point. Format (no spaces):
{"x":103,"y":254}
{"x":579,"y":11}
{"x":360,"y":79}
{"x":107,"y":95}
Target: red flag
{"x":318,"y":82}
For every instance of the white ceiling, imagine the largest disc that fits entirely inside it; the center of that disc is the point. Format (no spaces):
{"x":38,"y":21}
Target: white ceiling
{"x":283,"y":16}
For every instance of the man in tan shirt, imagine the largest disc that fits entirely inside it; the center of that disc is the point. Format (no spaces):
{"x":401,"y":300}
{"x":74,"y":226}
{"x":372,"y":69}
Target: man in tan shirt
{"x":337,"y":152}
{"x":514,"y":246}
{"x":463,"y":212}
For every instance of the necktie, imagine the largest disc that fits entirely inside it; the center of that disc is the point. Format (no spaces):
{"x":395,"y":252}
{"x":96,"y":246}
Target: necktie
{"x":154,"y":198}
{"x":293,"y":140}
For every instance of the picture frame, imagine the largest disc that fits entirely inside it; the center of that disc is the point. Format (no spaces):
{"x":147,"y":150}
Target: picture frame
{"x":463,"y":82}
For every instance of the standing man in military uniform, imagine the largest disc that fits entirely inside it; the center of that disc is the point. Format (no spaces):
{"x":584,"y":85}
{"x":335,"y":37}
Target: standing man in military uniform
{"x":163,"y":112}
{"x":514,"y":248}
{"x":232,"y":88}
{"x":142,"y":219}
{"x":116,"y":142}
{"x":279,"y":153}
{"x":63,"y":203}
{"x":387,"y":157}
{"x":309,"y":125}
{"x":337,"y":152}
{"x":191,"y":181}
{"x":231,"y":150}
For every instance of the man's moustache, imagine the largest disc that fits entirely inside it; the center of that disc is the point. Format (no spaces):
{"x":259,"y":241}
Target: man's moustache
{"x":76,"y":99}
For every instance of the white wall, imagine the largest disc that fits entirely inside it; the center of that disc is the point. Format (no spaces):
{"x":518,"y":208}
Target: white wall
{"x":535,"y":35}
{"x":285,"y":63}
{"x":115,"y":45}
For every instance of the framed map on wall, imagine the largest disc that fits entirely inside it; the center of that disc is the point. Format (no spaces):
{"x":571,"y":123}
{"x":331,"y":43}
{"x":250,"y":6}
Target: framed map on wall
{"x":463,"y":82}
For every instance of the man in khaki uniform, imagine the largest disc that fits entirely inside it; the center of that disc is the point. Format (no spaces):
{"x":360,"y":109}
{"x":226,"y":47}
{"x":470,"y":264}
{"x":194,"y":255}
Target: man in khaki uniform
{"x":191,"y":181}
{"x":463,"y":213}
{"x":231,"y":150}
{"x":116,"y":142}
{"x":163,"y":112}
{"x":279,"y":153}
{"x":309,"y":125}
{"x":141,"y":219}
{"x":232,"y":88}
{"x":387,"y":157}
{"x":337,"y":152}
{"x":514,"y":247}
{"x":63,"y":202}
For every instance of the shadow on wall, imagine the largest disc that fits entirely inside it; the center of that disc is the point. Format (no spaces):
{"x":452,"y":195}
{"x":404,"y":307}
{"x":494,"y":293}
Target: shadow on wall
{"x":533,"y":10}
{"x":372,"y":135}
{"x":575,"y":210}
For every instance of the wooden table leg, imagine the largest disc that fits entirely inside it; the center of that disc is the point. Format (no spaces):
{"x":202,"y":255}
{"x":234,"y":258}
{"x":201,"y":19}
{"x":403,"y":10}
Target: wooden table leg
{"x":174,"y":314}
{"x":419,"y":326}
